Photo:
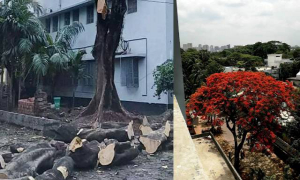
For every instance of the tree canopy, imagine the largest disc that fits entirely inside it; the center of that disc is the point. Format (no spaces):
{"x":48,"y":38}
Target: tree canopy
{"x":164,"y":78}
{"x":249,"y":103}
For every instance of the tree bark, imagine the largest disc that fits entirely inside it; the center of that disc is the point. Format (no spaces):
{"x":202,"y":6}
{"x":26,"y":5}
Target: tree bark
{"x":35,"y":160}
{"x":60,"y":171}
{"x":106,"y":105}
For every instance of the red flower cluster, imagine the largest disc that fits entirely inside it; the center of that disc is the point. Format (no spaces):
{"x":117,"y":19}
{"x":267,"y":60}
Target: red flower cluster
{"x":253,"y":99}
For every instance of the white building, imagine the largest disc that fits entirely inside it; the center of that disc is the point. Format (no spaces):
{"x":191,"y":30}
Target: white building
{"x":148,"y":29}
{"x":274,"y":60}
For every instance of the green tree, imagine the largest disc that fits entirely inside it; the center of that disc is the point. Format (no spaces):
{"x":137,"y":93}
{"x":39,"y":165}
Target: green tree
{"x":296,"y":53}
{"x":52,"y":58}
{"x":21,"y":33}
{"x":164,"y":78}
{"x":76,"y":69}
{"x":197,"y":66}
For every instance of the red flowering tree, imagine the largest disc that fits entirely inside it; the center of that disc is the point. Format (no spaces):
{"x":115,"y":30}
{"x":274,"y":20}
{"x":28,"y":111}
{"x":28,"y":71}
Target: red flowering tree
{"x":249,"y":102}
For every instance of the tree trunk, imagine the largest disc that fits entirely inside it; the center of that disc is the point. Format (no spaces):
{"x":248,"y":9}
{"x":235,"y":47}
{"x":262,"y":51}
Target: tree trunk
{"x":106,"y":105}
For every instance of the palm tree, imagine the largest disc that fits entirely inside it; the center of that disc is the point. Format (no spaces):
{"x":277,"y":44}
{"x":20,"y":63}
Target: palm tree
{"x":53,"y":57}
{"x":76,"y":69}
{"x":22,"y":33}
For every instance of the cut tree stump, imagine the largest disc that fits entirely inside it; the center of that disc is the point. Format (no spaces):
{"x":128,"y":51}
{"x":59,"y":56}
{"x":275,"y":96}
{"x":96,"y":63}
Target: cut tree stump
{"x":60,"y":171}
{"x":155,"y":139}
{"x":34,"y":160}
{"x":120,"y":134}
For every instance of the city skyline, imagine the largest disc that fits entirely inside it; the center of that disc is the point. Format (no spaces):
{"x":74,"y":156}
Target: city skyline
{"x":239,"y":22}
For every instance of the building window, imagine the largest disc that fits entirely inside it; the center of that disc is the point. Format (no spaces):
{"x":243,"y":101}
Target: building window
{"x":90,"y":73}
{"x":132,"y":6}
{"x":76,"y":15}
{"x":48,"y":25}
{"x":55,"y":24}
{"x":130,"y":72}
{"x":67,"y":18}
{"x":90,"y":14}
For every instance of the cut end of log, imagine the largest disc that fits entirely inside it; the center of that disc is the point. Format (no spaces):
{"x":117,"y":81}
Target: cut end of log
{"x":3,"y":176}
{"x":151,"y":145}
{"x":64,"y":171}
{"x":106,"y":155}
{"x":146,"y":130}
{"x":75,"y":144}
{"x":167,"y":129}
{"x":145,"y":121}
{"x":31,"y":178}
{"x":130,"y":131}
{"x":20,"y":149}
{"x":2,"y":163}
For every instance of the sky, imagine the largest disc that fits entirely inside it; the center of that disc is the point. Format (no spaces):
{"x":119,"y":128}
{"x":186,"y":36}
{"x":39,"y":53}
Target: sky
{"x":238,"y":22}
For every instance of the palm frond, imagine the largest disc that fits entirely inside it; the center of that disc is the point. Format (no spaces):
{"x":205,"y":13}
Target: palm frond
{"x":40,"y":64}
{"x":67,"y":35}
{"x":25,"y":46}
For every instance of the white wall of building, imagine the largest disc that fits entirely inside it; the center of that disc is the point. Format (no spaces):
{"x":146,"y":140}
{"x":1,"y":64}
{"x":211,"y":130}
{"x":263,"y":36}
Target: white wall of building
{"x":276,"y":59}
{"x":153,"y":21}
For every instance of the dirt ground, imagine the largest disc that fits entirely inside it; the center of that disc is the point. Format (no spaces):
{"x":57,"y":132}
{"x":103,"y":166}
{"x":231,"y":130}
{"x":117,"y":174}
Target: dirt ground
{"x":144,"y":167}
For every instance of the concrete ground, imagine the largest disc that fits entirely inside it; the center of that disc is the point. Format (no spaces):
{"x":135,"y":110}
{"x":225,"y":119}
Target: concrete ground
{"x":214,"y":165}
{"x":187,"y":163}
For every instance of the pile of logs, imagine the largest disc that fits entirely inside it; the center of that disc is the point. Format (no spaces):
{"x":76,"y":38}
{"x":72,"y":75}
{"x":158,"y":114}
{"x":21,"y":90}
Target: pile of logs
{"x":88,"y":149}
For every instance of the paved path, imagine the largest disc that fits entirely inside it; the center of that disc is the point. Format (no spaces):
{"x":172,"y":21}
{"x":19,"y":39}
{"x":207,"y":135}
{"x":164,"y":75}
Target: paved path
{"x":214,"y":165}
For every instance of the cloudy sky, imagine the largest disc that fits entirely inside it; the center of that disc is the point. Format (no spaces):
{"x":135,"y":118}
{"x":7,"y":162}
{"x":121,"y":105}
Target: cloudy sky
{"x":238,"y":22}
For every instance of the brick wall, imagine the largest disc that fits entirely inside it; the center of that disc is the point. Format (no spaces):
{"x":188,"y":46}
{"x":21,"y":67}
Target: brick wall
{"x":26,"y":106}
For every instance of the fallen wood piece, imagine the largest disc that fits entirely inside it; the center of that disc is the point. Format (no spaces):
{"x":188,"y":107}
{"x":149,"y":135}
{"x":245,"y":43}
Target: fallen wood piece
{"x":117,"y":153}
{"x":60,"y":171}
{"x":60,"y":132}
{"x":34,"y":160}
{"x":121,"y":134}
{"x":145,"y":127}
{"x":84,"y":153}
{"x":155,"y":139}
{"x":17,"y":148}
{"x":7,"y":156}
{"x":60,"y":146}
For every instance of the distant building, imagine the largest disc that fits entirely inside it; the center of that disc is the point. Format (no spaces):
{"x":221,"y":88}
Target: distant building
{"x":217,"y":48}
{"x":205,"y":47}
{"x":211,"y":49}
{"x":274,"y":60}
{"x":199,"y":47}
{"x":187,"y":46}
{"x":237,"y":46}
